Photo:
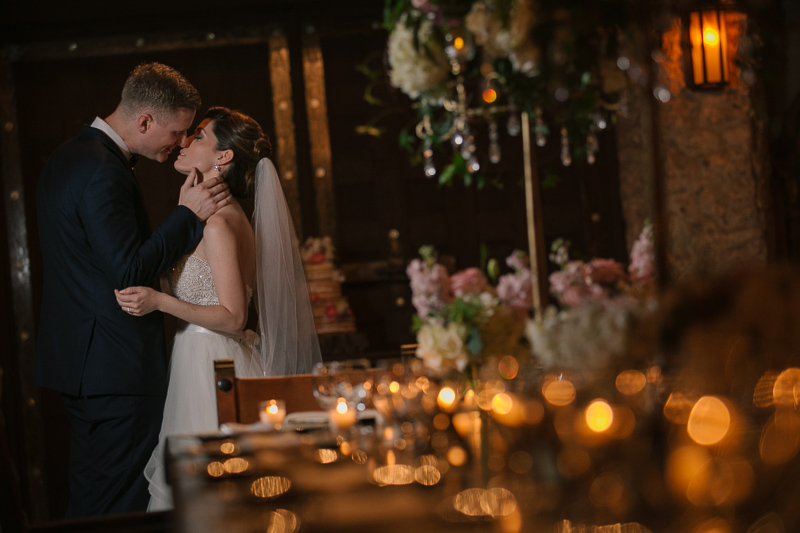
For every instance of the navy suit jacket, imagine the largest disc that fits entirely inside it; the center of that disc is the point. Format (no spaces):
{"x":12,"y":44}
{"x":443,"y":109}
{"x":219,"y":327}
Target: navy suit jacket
{"x":95,"y":237}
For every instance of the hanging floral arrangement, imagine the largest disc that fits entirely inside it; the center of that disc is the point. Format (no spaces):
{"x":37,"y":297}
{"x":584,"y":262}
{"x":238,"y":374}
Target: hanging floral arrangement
{"x":478,"y":64}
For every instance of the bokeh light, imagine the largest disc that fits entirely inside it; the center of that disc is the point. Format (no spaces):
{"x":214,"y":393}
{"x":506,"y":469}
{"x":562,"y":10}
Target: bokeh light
{"x":283,"y":521}
{"x":446,"y":399}
{"x":677,"y":408}
{"x":558,"y":392}
{"x":393,"y":474}
{"x":427,"y":475}
{"x":709,"y":421}
{"x":270,"y":486}
{"x":631,"y":382}
{"x":456,"y":456}
{"x":764,"y":393}
{"x":498,"y":501}
{"x":502,"y":403}
{"x":228,"y":448}
{"x":787,"y":387}
{"x":215,"y":469}
{"x":441,"y":421}
{"x":508,"y":367}
{"x":780,"y":438}
{"x":599,"y":416}
{"x":326,"y":456}
{"x":684,"y":464}
{"x":236,"y":465}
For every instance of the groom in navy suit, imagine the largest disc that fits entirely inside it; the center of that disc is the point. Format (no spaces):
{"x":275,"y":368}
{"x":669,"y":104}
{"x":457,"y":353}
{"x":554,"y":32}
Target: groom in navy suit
{"x":95,"y":236}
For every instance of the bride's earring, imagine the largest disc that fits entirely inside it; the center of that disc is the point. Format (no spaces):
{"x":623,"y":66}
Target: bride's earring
{"x":216,"y":167}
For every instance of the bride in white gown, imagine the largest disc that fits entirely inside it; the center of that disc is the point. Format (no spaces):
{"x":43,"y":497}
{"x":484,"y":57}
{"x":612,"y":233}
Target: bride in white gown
{"x":212,"y":287}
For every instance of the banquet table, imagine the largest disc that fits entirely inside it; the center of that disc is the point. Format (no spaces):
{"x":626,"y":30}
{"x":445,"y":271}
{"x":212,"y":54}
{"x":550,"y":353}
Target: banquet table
{"x":284,"y":481}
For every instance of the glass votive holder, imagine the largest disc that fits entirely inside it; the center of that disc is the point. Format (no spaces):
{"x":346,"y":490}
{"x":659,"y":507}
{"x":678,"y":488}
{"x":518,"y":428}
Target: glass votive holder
{"x":342,"y":416}
{"x":272,"y":413}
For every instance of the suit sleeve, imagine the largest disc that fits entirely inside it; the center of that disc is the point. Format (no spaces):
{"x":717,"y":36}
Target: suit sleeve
{"x":118,"y":231}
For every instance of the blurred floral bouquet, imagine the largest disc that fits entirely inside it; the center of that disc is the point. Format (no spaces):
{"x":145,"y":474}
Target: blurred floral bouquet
{"x":462,"y":319}
{"x":598,"y":304}
{"x":470,"y":64}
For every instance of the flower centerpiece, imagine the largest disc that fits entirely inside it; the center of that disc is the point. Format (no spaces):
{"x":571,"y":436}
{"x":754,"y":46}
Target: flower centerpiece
{"x":463,"y":320}
{"x":598,"y":303}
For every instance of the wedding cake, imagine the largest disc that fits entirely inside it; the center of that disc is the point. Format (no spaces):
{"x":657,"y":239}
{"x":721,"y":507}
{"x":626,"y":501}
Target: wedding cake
{"x":332,"y":313}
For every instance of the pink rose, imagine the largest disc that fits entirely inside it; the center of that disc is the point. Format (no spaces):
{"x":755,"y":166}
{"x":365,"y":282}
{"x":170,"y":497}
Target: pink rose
{"x":469,"y":281}
{"x":574,"y":273}
{"x":605,"y":271}
{"x":578,"y":295}
{"x":514,"y":290}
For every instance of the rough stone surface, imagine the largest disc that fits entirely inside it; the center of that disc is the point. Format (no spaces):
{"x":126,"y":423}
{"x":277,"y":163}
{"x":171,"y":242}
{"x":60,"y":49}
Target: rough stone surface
{"x":715,"y":177}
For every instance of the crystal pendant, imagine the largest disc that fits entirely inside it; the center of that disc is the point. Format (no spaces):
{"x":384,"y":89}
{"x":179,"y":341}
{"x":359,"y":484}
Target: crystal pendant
{"x":540,"y":130}
{"x":513,"y":126}
{"x":494,"y":153}
{"x":592,"y":146}
{"x":566,"y":157}
{"x":430,"y":169}
{"x":494,"y":147}
{"x":468,"y":147}
{"x":600,"y":121}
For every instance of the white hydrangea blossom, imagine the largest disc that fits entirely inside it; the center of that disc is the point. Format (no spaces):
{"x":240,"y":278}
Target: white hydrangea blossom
{"x":413,"y":71}
{"x":500,"y":41}
{"x":588,"y":337}
{"x":442,"y":345}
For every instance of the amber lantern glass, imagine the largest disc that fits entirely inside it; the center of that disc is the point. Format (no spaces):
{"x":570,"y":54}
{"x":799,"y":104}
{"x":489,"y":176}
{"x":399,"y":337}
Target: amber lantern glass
{"x":709,"y":43}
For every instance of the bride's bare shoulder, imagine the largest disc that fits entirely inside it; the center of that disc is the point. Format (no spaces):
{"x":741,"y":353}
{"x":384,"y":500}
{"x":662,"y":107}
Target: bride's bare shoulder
{"x":229,"y":219}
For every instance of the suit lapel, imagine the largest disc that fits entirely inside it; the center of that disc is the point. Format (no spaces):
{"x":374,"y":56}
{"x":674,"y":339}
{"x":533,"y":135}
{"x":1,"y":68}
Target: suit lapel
{"x":108,"y":142}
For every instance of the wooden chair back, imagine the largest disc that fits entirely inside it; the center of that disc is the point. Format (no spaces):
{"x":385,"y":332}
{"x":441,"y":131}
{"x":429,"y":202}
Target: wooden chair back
{"x":238,"y":398}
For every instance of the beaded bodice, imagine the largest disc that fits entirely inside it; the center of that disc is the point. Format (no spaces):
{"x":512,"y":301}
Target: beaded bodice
{"x":191,"y":281}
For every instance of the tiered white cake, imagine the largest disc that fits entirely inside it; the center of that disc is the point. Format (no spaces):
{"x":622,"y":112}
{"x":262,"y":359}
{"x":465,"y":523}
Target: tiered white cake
{"x":332,"y":313}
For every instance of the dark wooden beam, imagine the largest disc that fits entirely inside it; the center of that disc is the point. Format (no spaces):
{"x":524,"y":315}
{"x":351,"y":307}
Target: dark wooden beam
{"x":24,"y":328}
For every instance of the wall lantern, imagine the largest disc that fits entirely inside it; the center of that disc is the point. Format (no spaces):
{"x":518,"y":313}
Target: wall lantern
{"x":709,"y":41}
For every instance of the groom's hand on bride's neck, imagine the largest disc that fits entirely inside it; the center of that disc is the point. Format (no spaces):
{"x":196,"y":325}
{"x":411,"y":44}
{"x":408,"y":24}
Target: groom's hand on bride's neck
{"x":206,"y":197}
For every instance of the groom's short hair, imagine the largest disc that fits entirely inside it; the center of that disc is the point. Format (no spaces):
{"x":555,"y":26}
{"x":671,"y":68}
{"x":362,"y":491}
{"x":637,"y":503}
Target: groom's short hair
{"x":157,"y":88}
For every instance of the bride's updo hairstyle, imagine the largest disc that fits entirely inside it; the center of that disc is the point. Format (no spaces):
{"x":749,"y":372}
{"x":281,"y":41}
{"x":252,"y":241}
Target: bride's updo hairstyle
{"x":240,"y":133}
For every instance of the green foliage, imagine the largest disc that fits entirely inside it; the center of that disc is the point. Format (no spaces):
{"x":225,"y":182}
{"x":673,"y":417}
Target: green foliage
{"x":474,"y":342}
{"x":463,"y":311}
{"x":567,"y":44}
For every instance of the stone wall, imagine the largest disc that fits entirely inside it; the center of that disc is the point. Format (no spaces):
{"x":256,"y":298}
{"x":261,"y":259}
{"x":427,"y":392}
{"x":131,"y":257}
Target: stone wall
{"x":716,"y":176}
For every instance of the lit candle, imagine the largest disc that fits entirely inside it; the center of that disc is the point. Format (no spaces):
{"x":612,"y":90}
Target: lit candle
{"x":342,"y":417}
{"x":272,"y":412}
{"x":447,"y":399}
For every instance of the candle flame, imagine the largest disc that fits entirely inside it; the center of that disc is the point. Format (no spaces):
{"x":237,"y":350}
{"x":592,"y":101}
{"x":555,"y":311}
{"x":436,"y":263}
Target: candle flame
{"x":341,"y":406}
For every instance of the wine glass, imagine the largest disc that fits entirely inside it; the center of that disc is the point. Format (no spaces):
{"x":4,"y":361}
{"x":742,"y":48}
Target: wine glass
{"x":349,"y":379}
{"x":402,"y":392}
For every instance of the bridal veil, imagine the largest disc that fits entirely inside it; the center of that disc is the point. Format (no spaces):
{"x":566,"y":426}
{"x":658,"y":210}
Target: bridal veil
{"x":288,"y":343}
